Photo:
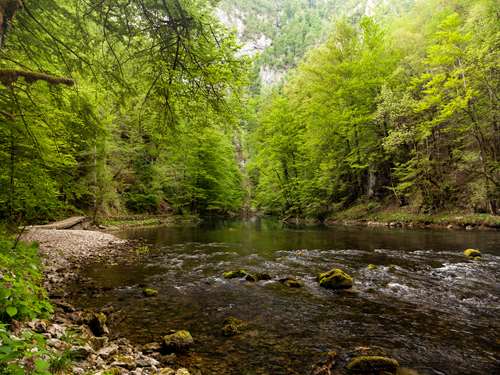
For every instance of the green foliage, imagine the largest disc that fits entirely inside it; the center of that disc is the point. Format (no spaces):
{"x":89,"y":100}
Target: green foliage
{"x":102,"y":145}
{"x":22,"y":295}
{"x":23,"y":355}
{"x":383,"y":109}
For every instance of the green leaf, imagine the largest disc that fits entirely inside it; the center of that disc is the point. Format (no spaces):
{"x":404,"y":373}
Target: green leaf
{"x":11,"y":311}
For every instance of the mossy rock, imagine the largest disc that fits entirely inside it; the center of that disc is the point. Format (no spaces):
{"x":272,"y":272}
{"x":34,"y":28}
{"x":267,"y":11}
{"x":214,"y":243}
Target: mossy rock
{"x":335,"y":279}
{"x":235,"y":274}
{"x":372,"y":267}
{"x":232,"y":326}
{"x":149,"y":292}
{"x":372,"y":365}
{"x":178,"y":342}
{"x":263,"y":276}
{"x":472,"y":253}
{"x":251,"y":278}
{"x":97,"y":324}
{"x":291,"y":282}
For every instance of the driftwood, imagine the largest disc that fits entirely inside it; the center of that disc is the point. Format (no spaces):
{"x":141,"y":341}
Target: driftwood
{"x":9,"y":76}
{"x":64,"y":224}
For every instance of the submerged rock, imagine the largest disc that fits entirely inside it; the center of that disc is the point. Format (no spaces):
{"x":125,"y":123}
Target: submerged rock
{"x":232,"y":326}
{"x":472,"y":253}
{"x":335,"y":279}
{"x":149,"y":292}
{"x":178,"y":341}
{"x":372,"y":365}
{"x":291,"y":282}
{"x":325,"y":366}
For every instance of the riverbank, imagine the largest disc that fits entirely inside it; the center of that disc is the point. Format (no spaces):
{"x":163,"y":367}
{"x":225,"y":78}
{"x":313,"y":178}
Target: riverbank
{"x":363,"y":214}
{"x":70,"y":340}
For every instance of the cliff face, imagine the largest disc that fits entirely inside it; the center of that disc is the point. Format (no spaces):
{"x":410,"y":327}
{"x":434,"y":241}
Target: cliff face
{"x":281,"y":31}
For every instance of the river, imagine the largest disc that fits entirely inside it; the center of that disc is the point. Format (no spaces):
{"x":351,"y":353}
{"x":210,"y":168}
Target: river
{"x":425,"y":304}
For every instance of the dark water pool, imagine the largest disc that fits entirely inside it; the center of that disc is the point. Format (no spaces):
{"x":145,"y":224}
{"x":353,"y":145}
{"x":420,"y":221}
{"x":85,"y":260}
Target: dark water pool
{"x":425,"y":304}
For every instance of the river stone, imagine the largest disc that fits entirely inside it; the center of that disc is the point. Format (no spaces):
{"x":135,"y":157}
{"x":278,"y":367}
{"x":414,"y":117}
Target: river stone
{"x":151,"y":347}
{"x":108,"y":351}
{"x":325,"y":366}
{"x":291,"y":282}
{"x":263,"y":276}
{"x":182,"y":371}
{"x":372,"y":364}
{"x":232,"y":326}
{"x":335,"y":279}
{"x":472,"y":253}
{"x":167,"y":371}
{"x":178,"y":341}
{"x":235,"y":274}
{"x":149,"y":292}
{"x":97,"y":324}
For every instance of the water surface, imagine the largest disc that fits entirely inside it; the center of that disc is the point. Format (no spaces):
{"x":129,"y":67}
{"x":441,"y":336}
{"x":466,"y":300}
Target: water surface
{"x":425,"y":304}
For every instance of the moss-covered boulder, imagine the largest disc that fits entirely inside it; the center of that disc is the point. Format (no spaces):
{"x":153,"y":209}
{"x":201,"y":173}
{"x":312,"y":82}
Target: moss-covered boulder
{"x":239,"y":274}
{"x":232,"y":326}
{"x":372,"y":365}
{"x":178,"y":341}
{"x":291,"y":282}
{"x":335,"y":279}
{"x":149,"y":292}
{"x":472,"y":253}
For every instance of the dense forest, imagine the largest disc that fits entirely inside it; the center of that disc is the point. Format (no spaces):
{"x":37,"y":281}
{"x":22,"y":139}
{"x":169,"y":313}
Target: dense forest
{"x":117,"y":105}
{"x":151,"y":107}
{"x":397,"y":112}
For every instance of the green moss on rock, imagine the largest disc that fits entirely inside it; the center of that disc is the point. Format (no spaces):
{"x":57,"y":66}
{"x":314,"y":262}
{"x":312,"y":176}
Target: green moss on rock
{"x":335,"y":279}
{"x":372,"y":267}
{"x":372,"y":364}
{"x":472,"y":253}
{"x":178,"y":342}
{"x":149,"y":292}
{"x":232,"y":326}
{"x":235,"y":274}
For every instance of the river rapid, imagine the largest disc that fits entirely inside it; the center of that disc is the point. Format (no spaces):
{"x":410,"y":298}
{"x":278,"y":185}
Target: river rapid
{"x":425,"y":304}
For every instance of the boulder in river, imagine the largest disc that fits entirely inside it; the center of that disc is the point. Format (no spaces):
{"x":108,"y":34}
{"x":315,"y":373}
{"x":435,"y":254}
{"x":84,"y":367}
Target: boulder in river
{"x":178,"y":341}
{"x":235,"y":274}
{"x":291,"y":282}
{"x":335,"y":279}
{"x":232,"y":326}
{"x":472,"y":253}
{"x":263,"y":276}
{"x":372,"y":365}
{"x":149,"y":292}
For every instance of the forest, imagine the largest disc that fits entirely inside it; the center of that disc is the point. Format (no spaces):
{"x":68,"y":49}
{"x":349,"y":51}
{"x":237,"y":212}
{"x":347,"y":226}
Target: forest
{"x":286,"y":137}
{"x":104,"y":114}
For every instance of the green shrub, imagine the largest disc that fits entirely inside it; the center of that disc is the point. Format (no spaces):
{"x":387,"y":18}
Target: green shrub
{"x":23,"y":355}
{"x":22,"y":295}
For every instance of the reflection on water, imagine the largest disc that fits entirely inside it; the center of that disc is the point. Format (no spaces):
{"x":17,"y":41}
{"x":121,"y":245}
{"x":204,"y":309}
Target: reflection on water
{"x":425,"y":304}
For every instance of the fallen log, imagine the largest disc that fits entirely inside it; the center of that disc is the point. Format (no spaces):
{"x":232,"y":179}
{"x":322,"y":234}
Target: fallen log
{"x":64,"y":224}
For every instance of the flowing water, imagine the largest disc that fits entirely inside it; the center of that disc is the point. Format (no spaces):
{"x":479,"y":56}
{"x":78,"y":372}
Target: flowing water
{"x":425,"y":303}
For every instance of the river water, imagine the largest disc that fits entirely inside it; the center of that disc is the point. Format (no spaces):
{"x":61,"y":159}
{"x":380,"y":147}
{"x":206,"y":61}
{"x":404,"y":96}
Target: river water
{"x":425,"y":304}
